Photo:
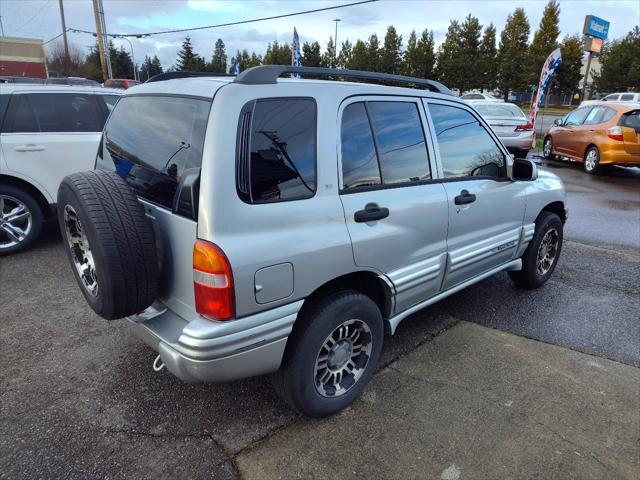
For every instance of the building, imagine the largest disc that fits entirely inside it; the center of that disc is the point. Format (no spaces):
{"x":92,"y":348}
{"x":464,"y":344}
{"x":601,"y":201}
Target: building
{"x":22,"y":57}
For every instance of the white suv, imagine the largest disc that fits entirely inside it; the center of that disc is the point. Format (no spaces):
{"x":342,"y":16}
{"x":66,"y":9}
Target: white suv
{"x":46,"y":133}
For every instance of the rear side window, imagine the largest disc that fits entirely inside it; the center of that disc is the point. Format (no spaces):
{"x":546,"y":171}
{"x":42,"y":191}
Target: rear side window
{"x":627,"y":97}
{"x":156,"y":141}
{"x":466,"y":148}
{"x":599,"y":115}
{"x":382,"y":143}
{"x":276,"y":154}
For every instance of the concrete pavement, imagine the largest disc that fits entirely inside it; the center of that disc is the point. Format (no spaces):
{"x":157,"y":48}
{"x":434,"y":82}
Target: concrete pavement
{"x":473,"y":403}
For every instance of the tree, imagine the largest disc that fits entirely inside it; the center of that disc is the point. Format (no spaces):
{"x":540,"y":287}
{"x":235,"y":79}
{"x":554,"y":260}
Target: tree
{"x":487,"y":60}
{"x":311,"y":56}
{"x":545,"y":40}
{"x":470,"y":32}
{"x":512,"y":53}
{"x":150,"y":67}
{"x":620,"y":64}
{"x":450,"y":66}
{"x":359,"y":59}
{"x":419,"y":57}
{"x":373,"y":54}
{"x":390,"y":54}
{"x":188,"y":61}
{"x":277,"y":54}
{"x":58,"y":64}
{"x":344,"y":57}
{"x":219,"y":60}
{"x":329,"y":56}
{"x":121,"y":64}
{"x":568,"y":75}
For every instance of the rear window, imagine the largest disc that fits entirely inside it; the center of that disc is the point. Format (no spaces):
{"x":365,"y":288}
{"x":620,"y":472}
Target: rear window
{"x":506,"y":111}
{"x":156,"y":141}
{"x":631,"y":120}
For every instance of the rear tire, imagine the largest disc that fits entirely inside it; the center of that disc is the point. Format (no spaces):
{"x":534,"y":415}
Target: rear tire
{"x":20,"y":220}
{"x":547,"y":148}
{"x":331,"y":354}
{"x":541,"y":256}
{"x":592,"y":160}
{"x":521,"y":153}
{"x":110,"y":243}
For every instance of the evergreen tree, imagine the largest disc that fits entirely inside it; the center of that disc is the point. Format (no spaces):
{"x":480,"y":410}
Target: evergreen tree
{"x":254,"y":60}
{"x":568,"y":76}
{"x":470,"y":32}
{"x":246,"y":60}
{"x":188,"y":61}
{"x":487,"y":61}
{"x":373,"y":54}
{"x":219,"y":60}
{"x":311,"y":56}
{"x":359,"y":59}
{"x":390,"y":54}
{"x":620,"y":64}
{"x":450,"y":66}
{"x":150,"y":67}
{"x":512,"y":53}
{"x":344,"y":57}
{"x":419,"y":57}
{"x":545,"y":40}
{"x":277,"y":54}
{"x":329,"y":56}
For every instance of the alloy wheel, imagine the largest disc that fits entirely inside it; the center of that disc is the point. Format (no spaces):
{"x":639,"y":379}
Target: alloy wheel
{"x":547,"y":251}
{"x":546,"y":149}
{"x":343,"y":358}
{"x":591,"y":160}
{"x":16,"y":221}
{"x":80,"y":251}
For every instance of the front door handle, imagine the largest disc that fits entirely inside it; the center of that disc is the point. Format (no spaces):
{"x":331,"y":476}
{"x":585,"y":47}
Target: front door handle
{"x":30,"y":147}
{"x":370,"y":213}
{"x":465,"y":197}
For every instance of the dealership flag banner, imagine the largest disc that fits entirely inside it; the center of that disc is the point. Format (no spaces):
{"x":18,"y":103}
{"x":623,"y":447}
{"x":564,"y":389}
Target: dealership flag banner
{"x":553,"y":61}
{"x":235,"y":68}
{"x":296,"y":58}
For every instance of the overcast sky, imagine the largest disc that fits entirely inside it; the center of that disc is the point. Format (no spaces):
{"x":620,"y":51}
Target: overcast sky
{"x":41,"y":19}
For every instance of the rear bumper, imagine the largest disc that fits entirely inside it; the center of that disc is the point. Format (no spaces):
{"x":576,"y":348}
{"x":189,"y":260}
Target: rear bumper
{"x":202,"y":350}
{"x":521,"y":142}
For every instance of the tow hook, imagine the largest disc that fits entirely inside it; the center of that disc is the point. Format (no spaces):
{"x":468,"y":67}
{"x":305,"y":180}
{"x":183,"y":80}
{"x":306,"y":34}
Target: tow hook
{"x":157,"y":364}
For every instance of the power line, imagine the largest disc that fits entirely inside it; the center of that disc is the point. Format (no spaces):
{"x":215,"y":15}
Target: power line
{"x":34,"y":16}
{"x":273,"y":17}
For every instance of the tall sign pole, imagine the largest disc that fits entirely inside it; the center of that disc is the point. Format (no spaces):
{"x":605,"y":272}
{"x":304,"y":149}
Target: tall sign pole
{"x":100,"y":38}
{"x":595,"y":32}
{"x":66,"y":42}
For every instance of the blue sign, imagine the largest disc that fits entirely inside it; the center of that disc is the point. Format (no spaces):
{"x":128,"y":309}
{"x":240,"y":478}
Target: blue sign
{"x":595,"y":27}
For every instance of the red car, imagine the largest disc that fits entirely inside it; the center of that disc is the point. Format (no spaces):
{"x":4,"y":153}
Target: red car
{"x":122,"y":83}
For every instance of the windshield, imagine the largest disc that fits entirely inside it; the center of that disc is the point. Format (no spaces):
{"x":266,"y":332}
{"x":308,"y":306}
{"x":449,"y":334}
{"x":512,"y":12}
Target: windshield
{"x":154,"y":141}
{"x":500,"y":110}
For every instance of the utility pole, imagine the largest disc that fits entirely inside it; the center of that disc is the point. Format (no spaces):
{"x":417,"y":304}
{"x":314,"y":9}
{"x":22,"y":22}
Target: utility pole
{"x":335,"y":40}
{"x":586,"y":77}
{"x":103,"y":61}
{"x":66,"y":42}
{"x":106,"y":42}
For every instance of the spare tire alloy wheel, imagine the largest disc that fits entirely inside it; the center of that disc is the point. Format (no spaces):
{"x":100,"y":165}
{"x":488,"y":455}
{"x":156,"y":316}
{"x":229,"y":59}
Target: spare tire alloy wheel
{"x":16,"y":222}
{"x":343,"y":358}
{"x":81,"y":254}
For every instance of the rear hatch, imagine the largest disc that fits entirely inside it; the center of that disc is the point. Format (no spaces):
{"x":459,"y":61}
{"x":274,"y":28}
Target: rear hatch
{"x":155,"y":143}
{"x":630,"y":123}
{"x":506,"y":127}
{"x":503,"y":118}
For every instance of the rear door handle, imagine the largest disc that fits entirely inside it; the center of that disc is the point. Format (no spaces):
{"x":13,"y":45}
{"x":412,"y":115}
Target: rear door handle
{"x":465,"y":197}
{"x":30,"y":147}
{"x":370,"y":213}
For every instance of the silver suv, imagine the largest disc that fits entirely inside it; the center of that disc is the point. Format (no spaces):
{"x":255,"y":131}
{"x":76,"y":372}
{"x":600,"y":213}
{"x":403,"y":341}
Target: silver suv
{"x":250,"y":225}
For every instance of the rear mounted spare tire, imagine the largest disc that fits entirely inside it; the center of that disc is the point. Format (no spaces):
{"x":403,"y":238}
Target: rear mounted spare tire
{"x":109,"y":242}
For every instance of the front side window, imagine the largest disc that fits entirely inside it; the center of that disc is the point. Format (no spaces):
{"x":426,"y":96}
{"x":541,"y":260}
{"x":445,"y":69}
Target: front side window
{"x":466,"y":148}
{"x":155,"y":141}
{"x":277,"y":150}
{"x":577,"y":117}
{"x":611,"y":98}
{"x":383,"y":143}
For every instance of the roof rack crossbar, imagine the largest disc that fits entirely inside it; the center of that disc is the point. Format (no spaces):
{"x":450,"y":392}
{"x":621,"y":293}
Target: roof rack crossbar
{"x":268,"y":74}
{"x":171,"y":75}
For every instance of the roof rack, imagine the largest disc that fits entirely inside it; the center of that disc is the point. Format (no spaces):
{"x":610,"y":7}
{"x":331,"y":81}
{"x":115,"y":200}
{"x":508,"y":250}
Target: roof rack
{"x":268,"y":74}
{"x":171,"y":75}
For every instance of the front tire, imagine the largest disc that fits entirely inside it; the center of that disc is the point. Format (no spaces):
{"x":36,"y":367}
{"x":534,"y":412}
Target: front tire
{"x":20,"y":220}
{"x":541,"y":256}
{"x":331,"y":354}
{"x":592,"y":160}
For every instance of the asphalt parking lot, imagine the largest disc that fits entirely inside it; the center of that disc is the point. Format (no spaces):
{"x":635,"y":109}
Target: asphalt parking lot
{"x":79,"y":398}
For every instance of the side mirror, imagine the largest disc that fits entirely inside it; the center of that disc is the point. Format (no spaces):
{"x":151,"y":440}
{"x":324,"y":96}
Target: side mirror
{"x":557,"y":122}
{"x":524,"y":170}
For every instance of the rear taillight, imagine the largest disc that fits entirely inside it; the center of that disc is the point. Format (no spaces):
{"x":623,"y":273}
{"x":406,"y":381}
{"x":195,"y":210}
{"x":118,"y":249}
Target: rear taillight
{"x":212,"y":281}
{"x":524,"y":128}
{"x":615,"y":133}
